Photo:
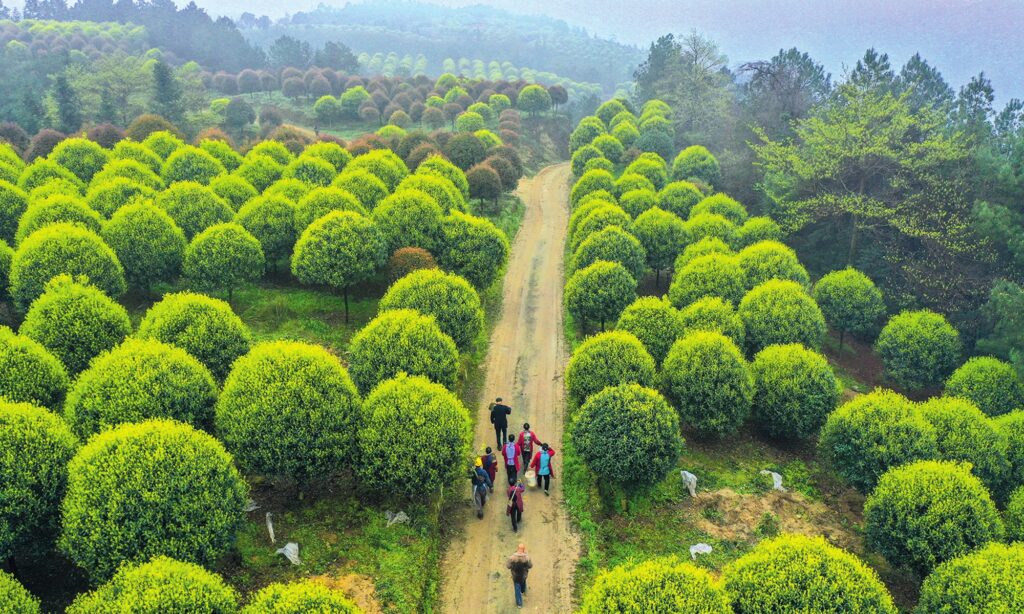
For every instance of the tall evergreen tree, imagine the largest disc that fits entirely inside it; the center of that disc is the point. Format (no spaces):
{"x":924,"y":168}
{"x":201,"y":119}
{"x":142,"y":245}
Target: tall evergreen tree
{"x":167,"y":93}
{"x":69,"y":106}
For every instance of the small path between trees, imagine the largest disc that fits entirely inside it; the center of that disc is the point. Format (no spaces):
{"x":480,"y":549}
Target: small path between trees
{"x":525,"y":365}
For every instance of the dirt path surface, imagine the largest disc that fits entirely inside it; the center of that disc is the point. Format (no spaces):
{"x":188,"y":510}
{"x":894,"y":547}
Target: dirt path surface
{"x":525,"y":365}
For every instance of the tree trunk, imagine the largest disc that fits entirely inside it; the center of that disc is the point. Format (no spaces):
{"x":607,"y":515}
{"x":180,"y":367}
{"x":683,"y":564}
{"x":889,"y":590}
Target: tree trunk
{"x":657,"y":278}
{"x":345,"y":293}
{"x":842,"y":334}
{"x":853,"y":241}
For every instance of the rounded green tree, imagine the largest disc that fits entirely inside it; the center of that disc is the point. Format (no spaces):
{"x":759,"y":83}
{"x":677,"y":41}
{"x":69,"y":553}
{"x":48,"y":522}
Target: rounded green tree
{"x":298,"y":598}
{"x":850,"y":302}
{"x":713,"y":314}
{"x":599,"y":292}
{"x":440,"y":188}
{"x":993,"y":385}
{"x":311,"y":171}
{"x":234,"y":190}
{"x":794,"y":391}
{"x":473,"y":248}
{"x":757,"y":229}
{"x":721,"y":204}
{"x":148,"y":243}
{"x":614,"y":245}
{"x":289,"y":409}
{"x":1011,"y":425}
{"x":794,"y":573}
{"x":271,"y":219}
{"x":704,"y":247}
{"x":154,"y":488}
{"x":194,"y":207}
{"x":1013,"y":516}
{"x":453,"y":303}
{"x":696,"y":162}
{"x":409,"y":218}
{"x":655,"y":322}
{"x":363,"y":185}
{"x":987,"y":580}
{"x":109,"y":196}
{"x":928,"y":512}
{"x":713,"y":275}
{"x":604,"y":360}
{"x":779,"y":312}
{"x":403,"y":420}
{"x":663,"y":236}
{"x":15,"y":597}
{"x":918,"y":348}
{"x":81,"y":156}
{"x":53,"y":209}
{"x":191,"y":164}
{"x":965,"y":434}
{"x":224,"y":256}
{"x":679,"y":197}
{"x":769,"y":260}
{"x":659,"y":585}
{"x":707,"y":225}
{"x":402,"y":341}
{"x":29,"y":373}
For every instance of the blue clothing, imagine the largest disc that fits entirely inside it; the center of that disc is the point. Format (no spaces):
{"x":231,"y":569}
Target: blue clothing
{"x":520,"y":588}
{"x":545,"y":464}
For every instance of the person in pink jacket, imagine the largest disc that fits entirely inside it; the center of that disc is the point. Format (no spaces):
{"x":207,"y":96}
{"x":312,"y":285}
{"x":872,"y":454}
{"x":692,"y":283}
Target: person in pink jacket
{"x":510,"y":450}
{"x":527,"y":441}
{"x":514,"y":509}
{"x":542,"y":464}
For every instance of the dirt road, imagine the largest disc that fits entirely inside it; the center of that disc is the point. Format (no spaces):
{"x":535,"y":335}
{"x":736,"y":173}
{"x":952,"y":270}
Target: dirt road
{"x":525,"y":364}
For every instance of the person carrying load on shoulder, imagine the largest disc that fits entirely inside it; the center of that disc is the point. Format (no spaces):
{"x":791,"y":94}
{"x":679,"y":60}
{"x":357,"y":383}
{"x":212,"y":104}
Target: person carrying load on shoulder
{"x":499,"y":418}
{"x":490,"y":463}
{"x":481,"y":484}
{"x":514,"y":509}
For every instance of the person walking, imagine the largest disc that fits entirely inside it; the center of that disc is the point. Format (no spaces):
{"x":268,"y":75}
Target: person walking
{"x":490,"y":463}
{"x":481,"y":484}
{"x":499,"y":418}
{"x":514,"y":509}
{"x":520,"y":565}
{"x":542,"y":465}
{"x":512,"y":463}
{"x":526,"y":441}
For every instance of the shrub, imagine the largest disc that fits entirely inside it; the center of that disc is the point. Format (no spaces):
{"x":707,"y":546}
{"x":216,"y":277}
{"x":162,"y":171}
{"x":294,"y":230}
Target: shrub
{"x":138,"y":380}
{"x":310,"y":170}
{"x":147,"y":242}
{"x":928,"y":512}
{"x":663,"y":236}
{"x":36,"y":447}
{"x":260,"y":171}
{"x":126,"y":483}
{"x":441,"y":189}
{"x":43,"y":171}
{"x":604,"y":360}
{"x":384,"y":164}
{"x":162,"y":584}
{"x":13,"y":202}
{"x":714,"y":275}
{"x":650,"y":166}
{"x":599,"y":292}
{"x":191,"y":164}
{"x":588,"y":129}
{"x":610,"y":147}
{"x":407,"y":260}
{"x":75,"y":322}
{"x":709,"y":383}
{"x":82,"y":157}
{"x":712,"y":314}
{"x":299,"y":597}
{"x":629,"y":182}
{"x":1011,"y":425}
{"x":655,"y":322}
{"x":866,"y":436}
{"x":289,"y":409}
{"x":134,"y":152}
{"x":679,"y":197}
{"x":484,"y":182}
{"x":402,"y":341}
{"x":614,"y":245}
{"x":850,"y":302}
{"x":194,"y":207}
{"x":713,"y":225}
{"x":1013,"y":517}
{"x":769,"y":260}
{"x":274,"y":150}
{"x":581,"y":156}
{"x":597,"y":220}
{"x":757,"y":229}
{"x":14,"y":596}
{"x":637,"y":202}
{"x":224,"y":153}
{"x":591,"y":205}
{"x":6,"y":256}
{"x":721,"y":204}
{"x":469,"y":122}
{"x":987,"y":580}
{"x":234,"y":190}
{"x":409,"y":218}
{"x":271,"y":220}
{"x":439,"y":166}
{"x":794,"y":573}
{"x":57,"y":208}
{"x":145,"y":125}
{"x":450,"y":299}
{"x":111,"y":195}
{"x":794,"y":391}
{"x":322,"y":201}
{"x":918,"y":348}
{"x":63,"y":248}
{"x":696,"y":162}
{"x":704,"y":247}
{"x":223,"y":256}
{"x":964,"y":434}
{"x":338,"y":156}
{"x":363,"y":185}
{"x":659,"y":585}
{"x":339,"y":250}
{"x":628,"y":434}
{"x":291,"y":189}
{"x":990,"y":383}
{"x":473,"y":248}
{"x":162,"y":143}
{"x":29,"y":373}
{"x":204,"y":327}
{"x":138,"y":173}
{"x":591,"y":181}
{"x":780,"y":312}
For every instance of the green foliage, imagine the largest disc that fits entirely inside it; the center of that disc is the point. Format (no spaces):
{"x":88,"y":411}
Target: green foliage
{"x":57,"y":208}
{"x":138,"y":380}
{"x":473,"y":248}
{"x":610,"y":147}
{"x":650,"y":166}
{"x":711,"y":275}
{"x":6,"y":256}
{"x":163,"y":143}
{"x":363,"y":185}
{"x":224,"y":256}
{"x":596,"y":220}
{"x":338,"y":156}
{"x":440,"y":188}
{"x":588,"y":129}
{"x":850,"y":301}
{"x":43,"y":171}
{"x":81,"y":156}
{"x":289,"y":409}
{"x":147,"y":242}
{"x":125,"y":485}
{"x":75,"y":322}
{"x":322,"y":201}
{"x":655,"y":322}
{"x":604,"y":360}
{"x":135,"y":152}
{"x":191,"y":164}
{"x":614,"y":245}
{"x":13,"y":202}
{"x":778,"y":312}
{"x":599,"y":292}
{"x":918,"y":348}
{"x":662,"y":234}
{"x":299,"y":597}
{"x":768,"y":260}
{"x":1013,"y":517}
{"x":409,"y":218}
{"x":110,"y":195}
{"x":533,"y":99}
{"x":63,"y":248}
{"x":194,"y":207}
{"x":704,"y":247}
{"x":709,"y":383}
{"x":628,"y":434}
{"x":15,"y":597}
{"x":591,"y":181}
{"x":160,"y":585}
{"x":965,"y":434}
{"x":224,"y":153}
{"x":340,"y":250}
{"x":382,"y":163}
{"x":311,"y":170}
{"x":757,"y":229}
{"x":721,"y":204}
{"x":271,"y":219}
{"x":612,"y":212}
{"x":637,"y":202}
{"x":713,"y":314}
{"x":450,"y":299}
{"x":404,"y":419}
{"x":794,"y":391}
{"x":993,"y":385}
{"x":679,"y":197}
{"x":139,"y":173}
{"x":705,"y":225}
{"x":628,"y":182}
{"x":275,"y":150}
{"x":873,"y":432}
{"x":204,"y":327}
{"x":469,"y":122}
{"x":29,"y":373}
{"x":659,"y":585}
{"x":35,"y":447}
{"x":985,"y":581}
{"x":402,"y":341}
{"x":1011,"y":426}
{"x":260,"y":171}
{"x":794,"y":573}
{"x":581,"y":156}
{"x":928,"y":512}
{"x":696,"y":162}
{"x":440,"y":167}
{"x":292,"y":189}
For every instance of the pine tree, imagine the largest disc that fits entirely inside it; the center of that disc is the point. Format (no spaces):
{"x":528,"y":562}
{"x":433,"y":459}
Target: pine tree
{"x":69,"y":106}
{"x":167,"y":93}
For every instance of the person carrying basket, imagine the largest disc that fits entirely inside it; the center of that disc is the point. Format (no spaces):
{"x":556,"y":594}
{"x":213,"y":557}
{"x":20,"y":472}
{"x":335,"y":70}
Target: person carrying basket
{"x":514,"y":509}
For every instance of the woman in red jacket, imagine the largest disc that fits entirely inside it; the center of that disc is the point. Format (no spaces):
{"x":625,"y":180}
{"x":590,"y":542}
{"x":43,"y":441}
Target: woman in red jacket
{"x":542,"y":464}
{"x":515,"y":504}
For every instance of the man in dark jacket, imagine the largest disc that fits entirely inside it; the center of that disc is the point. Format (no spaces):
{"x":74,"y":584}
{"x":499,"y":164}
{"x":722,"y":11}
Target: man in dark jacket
{"x":520,"y":565}
{"x":499,"y":418}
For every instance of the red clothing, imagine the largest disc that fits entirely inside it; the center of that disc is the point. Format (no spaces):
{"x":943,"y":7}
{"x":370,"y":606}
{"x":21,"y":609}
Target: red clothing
{"x":528,"y":447}
{"x":517,"y":492}
{"x":516,"y":453}
{"x":490,"y":465}
{"x":535,"y":463}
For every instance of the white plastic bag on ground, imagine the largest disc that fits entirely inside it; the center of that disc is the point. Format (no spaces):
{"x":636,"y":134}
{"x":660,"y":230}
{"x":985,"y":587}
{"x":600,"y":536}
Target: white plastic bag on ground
{"x":699,"y":549}
{"x":691,"y":482}
{"x":776,"y":480}
{"x":291,"y":552}
{"x":396,"y":518}
{"x":270,"y":528}
{"x":251,"y":506}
